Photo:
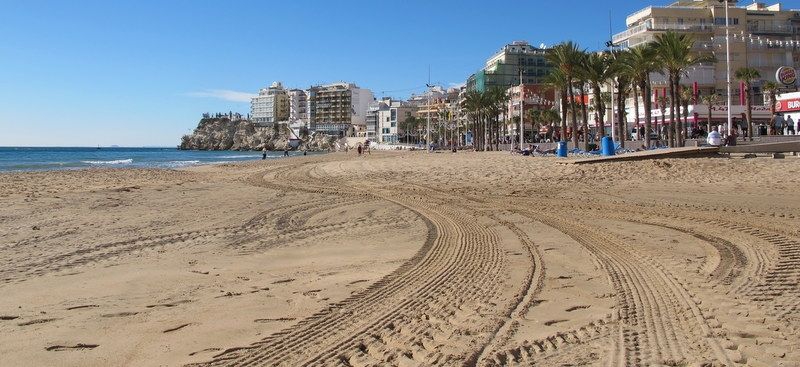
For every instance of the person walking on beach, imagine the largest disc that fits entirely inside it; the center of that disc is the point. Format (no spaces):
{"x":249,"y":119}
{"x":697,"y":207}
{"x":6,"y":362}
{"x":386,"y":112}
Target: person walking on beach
{"x":286,"y":151}
{"x":359,"y":149}
{"x":264,"y":153}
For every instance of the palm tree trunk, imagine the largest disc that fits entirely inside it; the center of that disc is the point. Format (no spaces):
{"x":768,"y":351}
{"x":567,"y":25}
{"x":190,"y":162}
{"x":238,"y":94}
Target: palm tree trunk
{"x":574,"y":113}
{"x":598,"y":106}
{"x":749,"y":103}
{"x":622,"y":125}
{"x":678,"y":117}
{"x":636,"y":111}
{"x":671,"y":129}
{"x":771,"y":123}
{"x":644,"y":85}
{"x":564,"y":98}
{"x":584,"y":109}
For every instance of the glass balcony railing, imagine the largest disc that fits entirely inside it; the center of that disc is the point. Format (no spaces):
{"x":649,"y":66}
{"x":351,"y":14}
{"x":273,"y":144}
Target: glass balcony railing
{"x":771,"y":28}
{"x":648,"y":26}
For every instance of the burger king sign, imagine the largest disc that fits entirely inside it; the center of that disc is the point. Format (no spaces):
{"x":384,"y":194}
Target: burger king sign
{"x":786,"y":75}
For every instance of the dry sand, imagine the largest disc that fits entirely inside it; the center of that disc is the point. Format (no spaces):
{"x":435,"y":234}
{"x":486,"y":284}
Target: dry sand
{"x":408,"y":259}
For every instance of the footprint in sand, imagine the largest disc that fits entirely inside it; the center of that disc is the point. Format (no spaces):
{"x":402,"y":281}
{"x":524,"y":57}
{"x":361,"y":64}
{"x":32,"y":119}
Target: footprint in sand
{"x":176,"y":328}
{"x":275,"y":319}
{"x":82,"y":306}
{"x":37,"y":321}
{"x":204,"y":351}
{"x":120,"y":314}
{"x":581,"y":307}
{"x":172,"y":304}
{"x":79,"y":346}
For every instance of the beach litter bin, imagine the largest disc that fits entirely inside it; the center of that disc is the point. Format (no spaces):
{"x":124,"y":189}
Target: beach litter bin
{"x":607,"y":146}
{"x":562,"y":149}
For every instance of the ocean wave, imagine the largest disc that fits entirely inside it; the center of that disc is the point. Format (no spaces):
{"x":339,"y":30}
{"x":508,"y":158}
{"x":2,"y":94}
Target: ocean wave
{"x":117,"y":161}
{"x":174,"y":164}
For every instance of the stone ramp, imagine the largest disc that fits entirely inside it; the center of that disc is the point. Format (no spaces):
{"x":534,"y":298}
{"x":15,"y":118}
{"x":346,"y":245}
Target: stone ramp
{"x":685,"y":152}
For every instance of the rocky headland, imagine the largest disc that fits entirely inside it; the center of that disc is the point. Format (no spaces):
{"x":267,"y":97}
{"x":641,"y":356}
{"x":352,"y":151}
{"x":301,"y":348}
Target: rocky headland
{"x":225,"y":133}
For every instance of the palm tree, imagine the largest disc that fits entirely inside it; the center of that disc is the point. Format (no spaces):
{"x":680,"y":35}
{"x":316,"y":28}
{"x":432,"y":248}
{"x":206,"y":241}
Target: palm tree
{"x":662,"y":105}
{"x":710,"y":100}
{"x":558,"y":81}
{"x":597,"y":69}
{"x":638,"y":63}
{"x":772,"y":89}
{"x":686,"y":96}
{"x":474,"y":104}
{"x":496,"y":102}
{"x":622,"y":83}
{"x":536,"y":117}
{"x":748,"y":75}
{"x":675,"y":51}
{"x":566,"y":58}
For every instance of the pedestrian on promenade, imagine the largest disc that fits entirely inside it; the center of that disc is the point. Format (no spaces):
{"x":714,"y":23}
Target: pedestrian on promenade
{"x":714,"y":137}
{"x":790,"y":125}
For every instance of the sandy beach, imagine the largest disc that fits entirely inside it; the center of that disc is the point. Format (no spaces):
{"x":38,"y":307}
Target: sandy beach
{"x":404,"y":259}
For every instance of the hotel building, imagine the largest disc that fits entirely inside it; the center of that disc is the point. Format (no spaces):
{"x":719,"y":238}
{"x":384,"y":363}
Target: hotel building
{"x":761,"y":37}
{"x":503,"y":68}
{"x":339,"y":109}
{"x":270,"y":106}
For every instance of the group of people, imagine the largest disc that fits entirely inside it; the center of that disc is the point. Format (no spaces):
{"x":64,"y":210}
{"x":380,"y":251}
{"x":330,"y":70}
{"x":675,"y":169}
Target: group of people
{"x":786,"y":126}
{"x":531,"y":149}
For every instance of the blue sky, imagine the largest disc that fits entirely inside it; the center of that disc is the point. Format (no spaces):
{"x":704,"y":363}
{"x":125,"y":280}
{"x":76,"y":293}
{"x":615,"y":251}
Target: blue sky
{"x":140,"y":73}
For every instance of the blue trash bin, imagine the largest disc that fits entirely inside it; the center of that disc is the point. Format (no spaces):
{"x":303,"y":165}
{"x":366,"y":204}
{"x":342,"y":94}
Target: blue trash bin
{"x":562,"y":149}
{"x":607,"y":146}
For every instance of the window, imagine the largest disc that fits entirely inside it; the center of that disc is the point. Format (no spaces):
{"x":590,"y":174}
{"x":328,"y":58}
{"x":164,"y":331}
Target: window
{"x":394,"y":115}
{"x":394,"y":123}
{"x":721,"y":21}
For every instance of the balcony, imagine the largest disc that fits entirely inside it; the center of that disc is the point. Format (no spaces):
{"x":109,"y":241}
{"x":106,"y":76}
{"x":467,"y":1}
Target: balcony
{"x":777,"y":28}
{"x":648,"y":26}
{"x":702,"y":74}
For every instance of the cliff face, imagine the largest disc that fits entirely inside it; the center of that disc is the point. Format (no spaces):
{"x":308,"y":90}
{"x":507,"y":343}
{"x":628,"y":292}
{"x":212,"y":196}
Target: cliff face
{"x":221,"y":133}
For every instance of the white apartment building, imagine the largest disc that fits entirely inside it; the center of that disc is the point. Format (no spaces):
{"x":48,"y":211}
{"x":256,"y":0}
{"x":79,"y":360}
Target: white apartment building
{"x":391,"y":116}
{"x":270,"y":106}
{"x":298,"y":106}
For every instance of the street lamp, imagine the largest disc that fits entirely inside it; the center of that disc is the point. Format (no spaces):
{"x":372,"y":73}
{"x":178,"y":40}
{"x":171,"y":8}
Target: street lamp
{"x":521,"y":111}
{"x":728,"y":62}
{"x":428,"y":133}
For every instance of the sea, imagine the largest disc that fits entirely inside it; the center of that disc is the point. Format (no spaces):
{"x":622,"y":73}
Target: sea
{"x":18,"y":159}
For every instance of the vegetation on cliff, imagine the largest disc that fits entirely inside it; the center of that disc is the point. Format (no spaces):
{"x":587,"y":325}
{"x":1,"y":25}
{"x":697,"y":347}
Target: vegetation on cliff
{"x":224,"y":133}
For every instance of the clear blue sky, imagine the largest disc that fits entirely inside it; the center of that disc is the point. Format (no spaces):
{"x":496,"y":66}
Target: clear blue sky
{"x":140,"y":73}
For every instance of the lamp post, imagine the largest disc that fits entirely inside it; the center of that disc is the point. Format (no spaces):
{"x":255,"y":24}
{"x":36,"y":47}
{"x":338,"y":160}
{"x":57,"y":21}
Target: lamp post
{"x":728,"y":62}
{"x":428,"y":130}
{"x":521,"y":112}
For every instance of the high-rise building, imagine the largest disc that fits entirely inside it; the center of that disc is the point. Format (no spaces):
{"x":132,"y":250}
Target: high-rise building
{"x":503,"y":68}
{"x":339,"y":109}
{"x":298,"y":105}
{"x":761,"y":37}
{"x":270,"y":106}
